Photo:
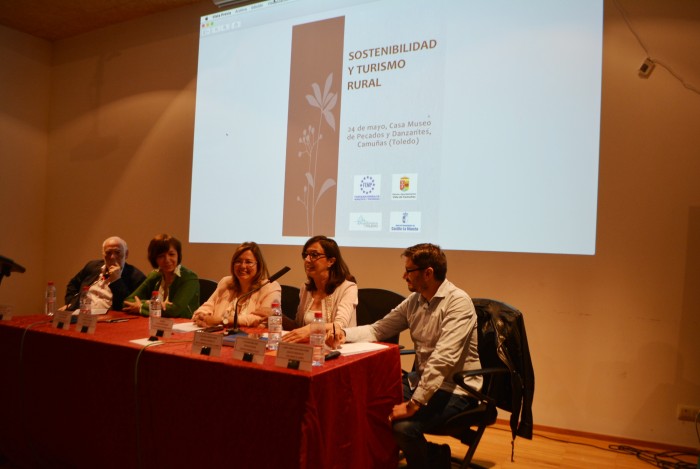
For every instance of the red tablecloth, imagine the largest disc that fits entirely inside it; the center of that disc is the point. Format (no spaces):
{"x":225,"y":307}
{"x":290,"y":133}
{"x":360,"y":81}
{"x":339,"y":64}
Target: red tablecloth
{"x":75,"y":400}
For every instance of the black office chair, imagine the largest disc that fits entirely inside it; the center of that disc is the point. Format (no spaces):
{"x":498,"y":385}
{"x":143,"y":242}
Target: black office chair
{"x":290,"y":301}
{"x":508,"y":378}
{"x":206,"y":288}
{"x":374,"y":304}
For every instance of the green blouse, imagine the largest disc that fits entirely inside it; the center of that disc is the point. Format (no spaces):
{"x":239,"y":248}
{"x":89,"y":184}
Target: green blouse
{"x":183,"y":294}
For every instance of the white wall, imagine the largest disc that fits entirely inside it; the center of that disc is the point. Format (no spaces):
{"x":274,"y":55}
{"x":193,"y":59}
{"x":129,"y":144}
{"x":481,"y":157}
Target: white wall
{"x":613,"y":336}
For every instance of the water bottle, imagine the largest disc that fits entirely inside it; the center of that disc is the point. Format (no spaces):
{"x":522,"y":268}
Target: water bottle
{"x":155,"y":307}
{"x":85,"y":306}
{"x":318,"y":339}
{"x":274,"y":326}
{"x":50,"y":299}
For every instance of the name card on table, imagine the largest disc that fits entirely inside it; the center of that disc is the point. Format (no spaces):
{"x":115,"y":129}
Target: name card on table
{"x":207,"y":343}
{"x":161,"y":328}
{"x":294,"y":356}
{"x":62,"y":319}
{"x":249,"y":349}
{"x":86,"y":323}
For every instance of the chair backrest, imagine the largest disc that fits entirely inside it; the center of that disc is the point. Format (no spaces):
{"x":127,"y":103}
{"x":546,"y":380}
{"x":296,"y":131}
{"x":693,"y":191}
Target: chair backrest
{"x":374,"y":304}
{"x":206,"y":288}
{"x":290,"y":301}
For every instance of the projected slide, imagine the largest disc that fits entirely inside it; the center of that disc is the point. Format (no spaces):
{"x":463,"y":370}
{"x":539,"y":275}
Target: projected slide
{"x":470,"y":124}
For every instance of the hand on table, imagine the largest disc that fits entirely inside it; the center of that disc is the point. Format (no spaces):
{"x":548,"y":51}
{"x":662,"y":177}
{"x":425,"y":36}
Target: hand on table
{"x":263,"y":311}
{"x":300,"y":334}
{"x":132,"y":307}
{"x":334,"y":341}
{"x":202,"y":319}
{"x":254,"y":319}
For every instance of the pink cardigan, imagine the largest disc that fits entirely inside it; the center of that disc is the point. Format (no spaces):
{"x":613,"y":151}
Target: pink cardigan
{"x":221,"y":302}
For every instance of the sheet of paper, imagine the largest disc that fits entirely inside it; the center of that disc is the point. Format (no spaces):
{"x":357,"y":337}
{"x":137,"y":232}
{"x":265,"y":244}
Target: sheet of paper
{"x":146,"y":341}
{"x":265,"y":336}
{"x":93,"y":311}
{"x":360,"y":347}
{"x":186,"y":327}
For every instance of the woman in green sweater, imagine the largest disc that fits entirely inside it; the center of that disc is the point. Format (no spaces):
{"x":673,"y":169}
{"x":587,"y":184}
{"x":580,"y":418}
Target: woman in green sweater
{"x":177,"y":286}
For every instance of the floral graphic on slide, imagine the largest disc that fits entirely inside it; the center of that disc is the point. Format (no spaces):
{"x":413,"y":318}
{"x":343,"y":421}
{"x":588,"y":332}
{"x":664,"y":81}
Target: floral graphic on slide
{"x":311,"y":141}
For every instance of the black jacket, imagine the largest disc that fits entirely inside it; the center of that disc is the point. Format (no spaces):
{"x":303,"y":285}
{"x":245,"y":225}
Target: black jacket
{"x":502,"y":341}
{"x":130,"y":279}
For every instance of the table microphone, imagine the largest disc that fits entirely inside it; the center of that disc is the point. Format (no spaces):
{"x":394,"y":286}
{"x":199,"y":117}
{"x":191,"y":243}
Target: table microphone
{"x":235,"y":329}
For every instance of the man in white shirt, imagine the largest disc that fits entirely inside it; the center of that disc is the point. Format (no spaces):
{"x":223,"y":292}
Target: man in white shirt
{"x":442,"y":323}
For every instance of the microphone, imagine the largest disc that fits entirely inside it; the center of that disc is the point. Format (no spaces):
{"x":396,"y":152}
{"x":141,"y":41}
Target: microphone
{"x":277,"y":275}
{"x":272,"y":278}
{"x":7,"y":266}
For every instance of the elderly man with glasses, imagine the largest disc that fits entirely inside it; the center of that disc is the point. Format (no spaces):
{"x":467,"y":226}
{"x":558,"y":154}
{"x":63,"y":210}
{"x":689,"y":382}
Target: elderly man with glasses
{"x":109,"y":279}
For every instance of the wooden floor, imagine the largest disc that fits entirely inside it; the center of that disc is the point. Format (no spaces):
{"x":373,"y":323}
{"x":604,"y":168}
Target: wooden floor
{"x":542,"y":452}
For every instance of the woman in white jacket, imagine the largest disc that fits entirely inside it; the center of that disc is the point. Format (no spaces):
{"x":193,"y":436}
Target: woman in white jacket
{"x":330,"y":288}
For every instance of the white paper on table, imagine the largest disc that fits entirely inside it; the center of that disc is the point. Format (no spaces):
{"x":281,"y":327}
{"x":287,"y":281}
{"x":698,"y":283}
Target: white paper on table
{"x":146,"y":341}
{"x":360,"y":347}
{"x":265,"y":335}
{"x":186,"y":327}
{"x":93,"y":311}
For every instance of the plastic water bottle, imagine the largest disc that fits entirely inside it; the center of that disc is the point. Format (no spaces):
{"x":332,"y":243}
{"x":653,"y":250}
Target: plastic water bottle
{"x":85,"y":304}
{"x":155,"y":306}
{"x":274,"y":326}
{"x":50,"y":299}
{"x":318,"y":339}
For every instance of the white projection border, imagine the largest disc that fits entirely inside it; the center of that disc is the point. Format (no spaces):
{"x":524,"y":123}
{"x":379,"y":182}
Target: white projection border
{"x":471,"y":124}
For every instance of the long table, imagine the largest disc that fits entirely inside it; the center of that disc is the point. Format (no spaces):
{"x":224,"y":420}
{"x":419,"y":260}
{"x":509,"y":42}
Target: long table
{"x":71,"y":399}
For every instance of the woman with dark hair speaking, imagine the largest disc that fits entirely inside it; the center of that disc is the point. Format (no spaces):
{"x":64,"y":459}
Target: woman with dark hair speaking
{"x":330,"y":288}
{"x":177,"y":285}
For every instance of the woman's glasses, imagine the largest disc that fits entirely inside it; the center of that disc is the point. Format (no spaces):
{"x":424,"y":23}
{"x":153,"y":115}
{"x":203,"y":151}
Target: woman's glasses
{"x":312,"y":255}
{"x":245,"y":262}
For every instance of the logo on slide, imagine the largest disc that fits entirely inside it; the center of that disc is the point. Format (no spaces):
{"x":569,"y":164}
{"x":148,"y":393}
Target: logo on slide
{"x":365,"y":221}
{"x":405,"y":222}
{"x":404,"y":186}
{"x":367,"y":187}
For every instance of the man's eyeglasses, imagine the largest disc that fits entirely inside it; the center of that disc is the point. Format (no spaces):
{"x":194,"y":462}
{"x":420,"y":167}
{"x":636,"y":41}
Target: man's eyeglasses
{"x":313,"y":255}
{"x":245,"y":262}
{"x":408,"y":271}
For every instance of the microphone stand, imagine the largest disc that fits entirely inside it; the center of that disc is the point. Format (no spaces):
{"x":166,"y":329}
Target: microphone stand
{"x":235,"y":330}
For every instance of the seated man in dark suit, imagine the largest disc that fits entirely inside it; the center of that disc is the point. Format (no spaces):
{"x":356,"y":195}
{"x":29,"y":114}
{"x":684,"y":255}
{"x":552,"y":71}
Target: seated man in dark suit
{"x":110,"y":279}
